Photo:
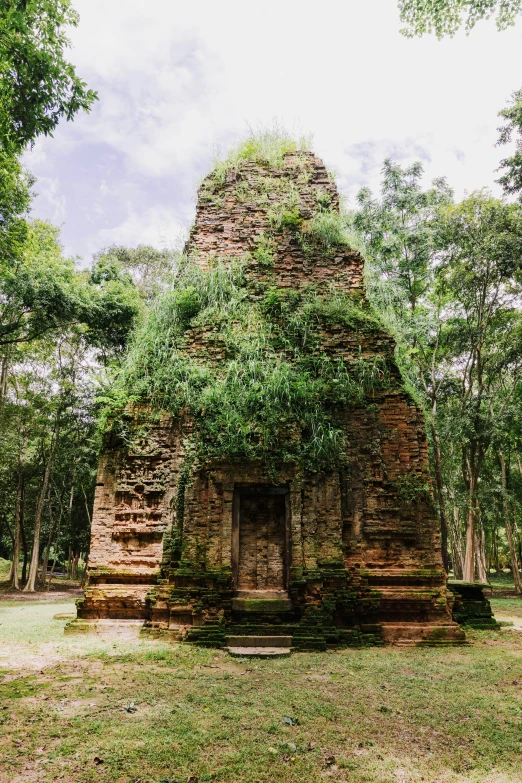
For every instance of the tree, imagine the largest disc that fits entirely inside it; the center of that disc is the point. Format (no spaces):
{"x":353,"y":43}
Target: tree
{"x":447,"y":279}
{"x":480,"y":245}
{"x":38,"y":86}
{"x":151,"y":269}
{"x":41,"y":292}
{"x":445,"y":17}
{"x":511,"y":181}
{"x":15,"y":198}
{"x":56,"y":323}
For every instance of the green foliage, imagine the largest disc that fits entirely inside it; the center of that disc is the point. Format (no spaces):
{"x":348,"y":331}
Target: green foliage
{"x":37,"y":85}
{"x":289,"y":218}
{"x":151,"y":270}
{"x":110,"y":305}
{"x":327,"y":228}
{"x":285,"y":212}
{"x":511,"y":180}
{"x":274,"y":398}
{"x":15,"y":197}
{"x":446,"y":279}
{"x":41,"y":291}
{"x":399,"y":228}
{"x":187,"y":304}
{"x":445,"y":17}
{"x":264,"y":252}
{"x":37,"y":292}
{"x":411,"y":487}
{"x":323,"y":199}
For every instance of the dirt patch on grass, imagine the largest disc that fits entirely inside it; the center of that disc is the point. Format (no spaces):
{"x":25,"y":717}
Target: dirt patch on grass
{"x":58,"y":593}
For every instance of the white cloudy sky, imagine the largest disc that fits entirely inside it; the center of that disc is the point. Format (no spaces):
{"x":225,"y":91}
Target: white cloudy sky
{"x":180,"y":81}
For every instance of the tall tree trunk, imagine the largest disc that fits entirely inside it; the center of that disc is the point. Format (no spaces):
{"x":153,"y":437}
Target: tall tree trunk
{"x":4,"y":376}
{"x":25,"y":548}
{"x":456,"y":542}
{"x":57,"y":538}
{"x":480,"y":553}
{"x":518,"y":539}
{"x":440,"y":497}
{"x":45,"y":558}
{"x":507,"y":523}
{"x":496,"y":564}
{"x":13,"y":577}
{"x":471,"y":526}
{"x":54,"y":526}
{"x":33,"y":567}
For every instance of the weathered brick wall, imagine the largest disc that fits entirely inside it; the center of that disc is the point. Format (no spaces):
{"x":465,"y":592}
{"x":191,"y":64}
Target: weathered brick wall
{"x":135,"y":486}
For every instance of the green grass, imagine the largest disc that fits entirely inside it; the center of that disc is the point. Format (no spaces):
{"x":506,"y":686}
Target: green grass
{"x":512,"y":606}
{"x":502,"y":580}
{"x":266,"y":145}
{"x":5,"y":568}
{"x":362,"y":716}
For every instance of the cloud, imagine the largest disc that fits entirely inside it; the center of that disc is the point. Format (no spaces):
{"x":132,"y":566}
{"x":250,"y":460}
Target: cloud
{"x":155,"y":226}
{"x":179,"y":81}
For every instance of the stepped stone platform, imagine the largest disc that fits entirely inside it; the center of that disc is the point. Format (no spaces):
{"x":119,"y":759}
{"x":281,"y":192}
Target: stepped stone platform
{"x":471,"y":607}
{"x":210,"y":551}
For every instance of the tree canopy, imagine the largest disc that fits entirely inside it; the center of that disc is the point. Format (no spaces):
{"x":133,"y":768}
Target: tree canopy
{"x":445,"y":17}
{"x":511,"y":131}
{"x":38,"y":86}
{"x":446,"y":277}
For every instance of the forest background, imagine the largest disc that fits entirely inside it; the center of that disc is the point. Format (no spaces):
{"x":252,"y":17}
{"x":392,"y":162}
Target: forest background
{"x":443,"y":274}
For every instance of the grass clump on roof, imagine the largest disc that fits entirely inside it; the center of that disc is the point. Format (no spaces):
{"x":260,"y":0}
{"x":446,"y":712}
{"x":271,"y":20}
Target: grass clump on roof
{"x":268,"y":146}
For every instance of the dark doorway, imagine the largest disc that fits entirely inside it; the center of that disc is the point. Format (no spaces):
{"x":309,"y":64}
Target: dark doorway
{"x":260,"y":558}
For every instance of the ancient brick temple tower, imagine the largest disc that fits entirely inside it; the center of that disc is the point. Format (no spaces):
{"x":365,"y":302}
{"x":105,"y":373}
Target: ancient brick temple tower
{"x":347,"y":556}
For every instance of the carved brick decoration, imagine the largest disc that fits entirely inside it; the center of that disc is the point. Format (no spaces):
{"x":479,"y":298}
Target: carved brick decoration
{"x":346,"y":557}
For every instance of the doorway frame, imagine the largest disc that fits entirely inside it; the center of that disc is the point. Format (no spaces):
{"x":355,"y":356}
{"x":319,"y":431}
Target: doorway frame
{"x":253,"y":490}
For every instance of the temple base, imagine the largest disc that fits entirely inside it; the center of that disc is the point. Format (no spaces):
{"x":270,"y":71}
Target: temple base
{"x":324,"y":609}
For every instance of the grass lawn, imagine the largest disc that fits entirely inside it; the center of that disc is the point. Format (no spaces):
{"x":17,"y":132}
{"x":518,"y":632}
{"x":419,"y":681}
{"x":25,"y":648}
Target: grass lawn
{"x":125,"y":710}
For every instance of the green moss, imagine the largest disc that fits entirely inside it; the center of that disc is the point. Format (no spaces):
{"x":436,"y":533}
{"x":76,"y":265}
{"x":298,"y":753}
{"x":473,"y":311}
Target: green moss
{"x":260,"y":605}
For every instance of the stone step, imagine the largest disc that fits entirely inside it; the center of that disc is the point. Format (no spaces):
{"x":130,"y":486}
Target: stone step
{"x":245,"y":629}
{"x":259,"y":652}
{"x":262,"y":594}
{"x":423,"y":634}
{"x":258,"y":641}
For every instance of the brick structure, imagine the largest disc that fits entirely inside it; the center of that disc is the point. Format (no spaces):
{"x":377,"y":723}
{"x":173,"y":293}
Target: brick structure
{"x":344,"y":557}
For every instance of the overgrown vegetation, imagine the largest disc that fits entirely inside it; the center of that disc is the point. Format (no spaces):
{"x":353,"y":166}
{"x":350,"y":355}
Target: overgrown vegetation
{"x":267,"y":145}
{"x":269,"y":393}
